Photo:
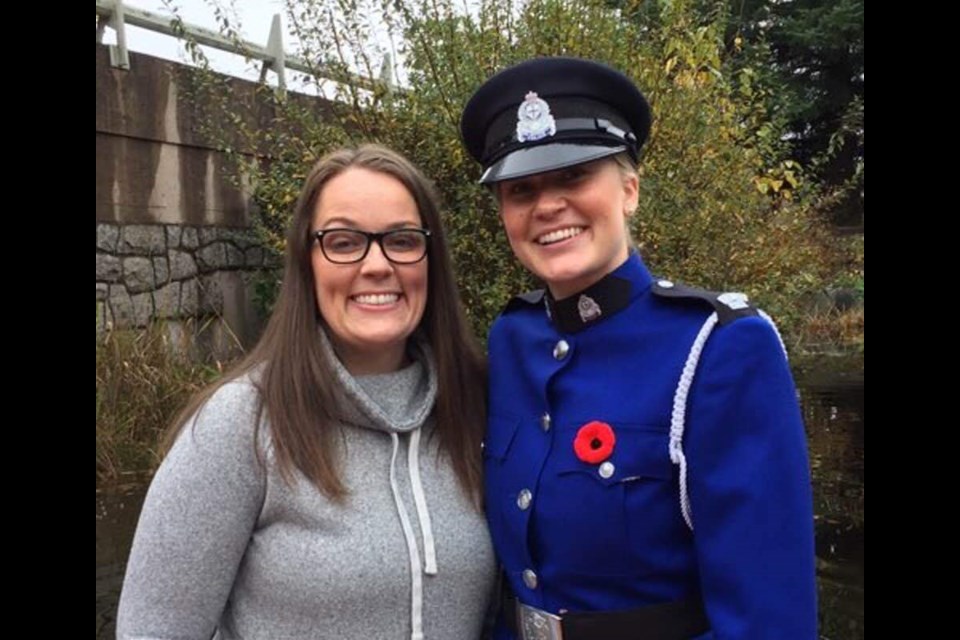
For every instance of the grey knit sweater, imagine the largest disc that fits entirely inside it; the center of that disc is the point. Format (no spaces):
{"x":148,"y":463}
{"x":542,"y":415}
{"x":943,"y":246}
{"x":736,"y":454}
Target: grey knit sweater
{"x":227,"y":549}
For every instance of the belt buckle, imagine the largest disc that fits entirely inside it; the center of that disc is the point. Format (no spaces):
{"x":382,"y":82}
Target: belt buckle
{"x":537,"y":624}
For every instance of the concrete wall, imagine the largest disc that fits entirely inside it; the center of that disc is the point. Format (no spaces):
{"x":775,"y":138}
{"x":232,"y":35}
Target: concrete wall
{"x":173,"y":226}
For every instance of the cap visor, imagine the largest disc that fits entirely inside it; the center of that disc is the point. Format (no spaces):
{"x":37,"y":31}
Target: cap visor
{"x":533,"y":160}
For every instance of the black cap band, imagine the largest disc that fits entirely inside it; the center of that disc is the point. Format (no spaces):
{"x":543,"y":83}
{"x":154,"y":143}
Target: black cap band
{"x":568,"y":130}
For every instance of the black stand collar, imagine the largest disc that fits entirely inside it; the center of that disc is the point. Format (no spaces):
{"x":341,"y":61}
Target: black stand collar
{"x":600,"y":300}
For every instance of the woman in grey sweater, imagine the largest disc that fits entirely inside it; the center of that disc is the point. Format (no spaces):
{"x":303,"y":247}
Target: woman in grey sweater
{"x":329,"y":487}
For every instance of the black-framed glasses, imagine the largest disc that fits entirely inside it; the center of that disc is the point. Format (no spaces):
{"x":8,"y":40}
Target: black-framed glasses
{"x":346,"y":246}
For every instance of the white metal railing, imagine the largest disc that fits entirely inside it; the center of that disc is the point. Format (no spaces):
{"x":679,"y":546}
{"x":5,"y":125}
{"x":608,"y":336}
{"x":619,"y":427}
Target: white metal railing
{"x":115,"y":15}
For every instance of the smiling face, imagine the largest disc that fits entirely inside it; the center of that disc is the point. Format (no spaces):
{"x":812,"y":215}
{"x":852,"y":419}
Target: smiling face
{"x":371,"y":307}
{"x":568,"y":226}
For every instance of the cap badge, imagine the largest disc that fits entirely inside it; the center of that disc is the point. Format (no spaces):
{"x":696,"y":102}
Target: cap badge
{"x":734,"y":300}
{"x":588,"y":308}
{"x":534,"y":121}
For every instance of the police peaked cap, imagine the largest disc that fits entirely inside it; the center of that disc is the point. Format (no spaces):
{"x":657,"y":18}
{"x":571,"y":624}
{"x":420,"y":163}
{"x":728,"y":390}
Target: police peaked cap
{"x":550,"y":113}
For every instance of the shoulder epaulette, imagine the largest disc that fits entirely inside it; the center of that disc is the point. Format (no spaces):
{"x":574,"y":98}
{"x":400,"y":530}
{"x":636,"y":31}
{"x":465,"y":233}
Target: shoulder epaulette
{"x":728,"y":305}
{"x":528,"y":299}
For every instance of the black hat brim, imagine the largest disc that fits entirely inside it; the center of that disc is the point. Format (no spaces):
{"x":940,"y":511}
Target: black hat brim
{"x":547,"y":157}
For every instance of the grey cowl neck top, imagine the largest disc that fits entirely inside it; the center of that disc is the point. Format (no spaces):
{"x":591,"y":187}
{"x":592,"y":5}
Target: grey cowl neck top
{"x":399,"y":402}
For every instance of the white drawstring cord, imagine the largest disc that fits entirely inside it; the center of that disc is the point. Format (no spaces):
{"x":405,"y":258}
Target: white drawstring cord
{"x":416,"y":580}
{"x":426,"y":528}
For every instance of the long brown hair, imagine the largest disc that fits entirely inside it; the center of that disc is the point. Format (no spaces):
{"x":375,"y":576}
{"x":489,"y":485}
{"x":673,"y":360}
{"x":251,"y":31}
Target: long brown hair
{"x":297,"y":384}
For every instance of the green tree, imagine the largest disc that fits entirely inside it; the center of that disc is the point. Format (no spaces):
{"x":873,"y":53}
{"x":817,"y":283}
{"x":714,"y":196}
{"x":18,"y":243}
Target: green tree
{"x":816,"y":47}
{"x":722,"y":205}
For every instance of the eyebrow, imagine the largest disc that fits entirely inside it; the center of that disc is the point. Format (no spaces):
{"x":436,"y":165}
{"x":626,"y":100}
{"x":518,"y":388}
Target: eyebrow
{"x":353,"y":224}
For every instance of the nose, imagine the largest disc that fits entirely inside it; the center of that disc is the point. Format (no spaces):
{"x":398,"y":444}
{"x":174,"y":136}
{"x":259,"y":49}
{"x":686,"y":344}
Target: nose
{"x":375,"y":263}
{"x":550,"y":202}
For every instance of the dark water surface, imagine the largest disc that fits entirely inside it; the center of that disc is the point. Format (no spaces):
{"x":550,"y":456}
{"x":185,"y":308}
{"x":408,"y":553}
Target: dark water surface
{"x":834,"y":418}
{"x":833,"y":411}
{"x":118,"y":508}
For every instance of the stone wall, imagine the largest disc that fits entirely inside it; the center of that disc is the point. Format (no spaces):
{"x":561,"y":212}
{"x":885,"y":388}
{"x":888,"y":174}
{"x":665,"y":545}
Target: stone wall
{"x":177,"y":272}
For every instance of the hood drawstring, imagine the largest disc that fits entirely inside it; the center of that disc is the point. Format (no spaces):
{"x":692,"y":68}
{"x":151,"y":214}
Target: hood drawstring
{"x":426,"y":529}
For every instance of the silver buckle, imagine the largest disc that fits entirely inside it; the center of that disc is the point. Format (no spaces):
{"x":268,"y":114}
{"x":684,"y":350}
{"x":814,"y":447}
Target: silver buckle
{"x":537,"y":624}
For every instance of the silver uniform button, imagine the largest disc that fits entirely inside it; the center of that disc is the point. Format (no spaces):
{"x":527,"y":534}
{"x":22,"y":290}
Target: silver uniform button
{"x":545,"y":421}
{"x":666,"y":284}
{"x":529,"y":579}
{"x":606,"y":469}
{"x":561,"y":350}
{"x":523,"y":500}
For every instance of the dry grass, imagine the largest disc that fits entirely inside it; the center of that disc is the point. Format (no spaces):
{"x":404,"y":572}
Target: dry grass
{"x":833,"y":331}
{"x":143,"y":378}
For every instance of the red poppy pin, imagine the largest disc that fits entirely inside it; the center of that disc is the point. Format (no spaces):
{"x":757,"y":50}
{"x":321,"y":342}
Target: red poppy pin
{"x":594,"y":442}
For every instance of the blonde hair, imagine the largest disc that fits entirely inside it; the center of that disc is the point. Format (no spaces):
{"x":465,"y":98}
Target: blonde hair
{"x":626,"y":163}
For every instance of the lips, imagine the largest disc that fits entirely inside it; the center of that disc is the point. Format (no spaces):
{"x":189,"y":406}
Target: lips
{"x":376,"y":299}
{"x":559,"y":234}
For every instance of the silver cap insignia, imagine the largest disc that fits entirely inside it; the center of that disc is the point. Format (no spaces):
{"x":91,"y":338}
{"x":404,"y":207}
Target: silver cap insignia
{"x":534,"y":121}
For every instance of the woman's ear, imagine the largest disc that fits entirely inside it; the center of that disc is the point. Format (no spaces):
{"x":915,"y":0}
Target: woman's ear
{"x":631,"y":192}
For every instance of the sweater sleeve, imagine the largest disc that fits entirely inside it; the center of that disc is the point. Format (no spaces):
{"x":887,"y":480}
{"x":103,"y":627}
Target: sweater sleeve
{"x":749,"y":485}
{"x":196,"y":522}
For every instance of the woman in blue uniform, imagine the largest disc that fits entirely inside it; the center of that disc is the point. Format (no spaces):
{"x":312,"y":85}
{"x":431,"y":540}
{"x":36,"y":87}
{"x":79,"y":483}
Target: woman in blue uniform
{"x":646,"y":466}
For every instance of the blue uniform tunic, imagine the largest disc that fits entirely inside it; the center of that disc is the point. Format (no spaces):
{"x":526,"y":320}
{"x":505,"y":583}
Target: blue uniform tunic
{"x":593,"y":536}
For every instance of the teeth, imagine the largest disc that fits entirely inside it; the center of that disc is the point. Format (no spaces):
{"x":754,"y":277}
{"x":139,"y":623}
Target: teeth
{"x":377,"y":298}
{"x":560,"y":234}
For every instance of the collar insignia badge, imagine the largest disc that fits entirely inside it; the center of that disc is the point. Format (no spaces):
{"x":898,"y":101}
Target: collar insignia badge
{"x":588,"y":308}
